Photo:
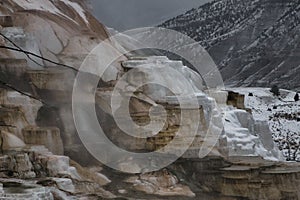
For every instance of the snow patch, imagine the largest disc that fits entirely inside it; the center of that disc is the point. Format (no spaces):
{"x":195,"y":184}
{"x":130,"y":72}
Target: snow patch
{"x":244,"y":137}
{"x":281,"y":113}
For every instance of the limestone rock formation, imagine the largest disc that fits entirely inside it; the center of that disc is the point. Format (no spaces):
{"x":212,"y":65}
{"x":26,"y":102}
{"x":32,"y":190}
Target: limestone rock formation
{"x":10,"y":141}
{"x":49,"y":137}
{"x":35,"y":162}
{"x":243,"y":136}
{"x":236,"y":161}
{"x":179,"y":116}
{"x":240,"y":178}
{"x":48,"y":41}
{"x":246,"y":137}
{"x":160,"y":183}
{"x":274,"y":117}
{"x":18,"y":189}
{"x":39,"y":167}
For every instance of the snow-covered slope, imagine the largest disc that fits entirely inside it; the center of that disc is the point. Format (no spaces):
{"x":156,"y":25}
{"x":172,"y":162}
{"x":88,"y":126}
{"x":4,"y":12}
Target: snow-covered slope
{"x":282,"y":114}
{"x":248,"y":137}
{"x":254,"y":43}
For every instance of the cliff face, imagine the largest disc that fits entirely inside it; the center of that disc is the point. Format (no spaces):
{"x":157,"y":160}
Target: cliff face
{"x":56,"y":30}
{"x":254,"y":43}
{"x":64,"y":33}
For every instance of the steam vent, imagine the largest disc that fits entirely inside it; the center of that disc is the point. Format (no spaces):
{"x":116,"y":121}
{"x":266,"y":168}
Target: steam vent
{"x":227,"y":143}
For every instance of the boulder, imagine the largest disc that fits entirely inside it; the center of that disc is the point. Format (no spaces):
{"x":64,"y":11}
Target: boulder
{"x":64,"y":184}
{"x":60,"y":195}
{"x":160,"y":183}
{"x":10,"y":141}
{"x":102,"y":179}
{"x":59,"y":165}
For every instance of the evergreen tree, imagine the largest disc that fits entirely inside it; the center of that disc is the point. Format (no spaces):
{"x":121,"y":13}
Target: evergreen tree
{"x":275,"y":90}
{"x":296,"y":97}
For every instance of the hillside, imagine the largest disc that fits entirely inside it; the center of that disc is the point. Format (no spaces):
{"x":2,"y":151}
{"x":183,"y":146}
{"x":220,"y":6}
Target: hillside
{"x":254,"y":43}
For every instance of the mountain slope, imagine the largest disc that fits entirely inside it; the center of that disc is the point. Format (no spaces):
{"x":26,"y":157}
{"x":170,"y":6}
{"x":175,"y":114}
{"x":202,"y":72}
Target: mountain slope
{"x":254,"y":43}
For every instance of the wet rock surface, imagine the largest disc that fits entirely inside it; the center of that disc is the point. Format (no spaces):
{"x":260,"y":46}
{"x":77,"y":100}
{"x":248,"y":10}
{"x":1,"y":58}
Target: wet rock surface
{"x":215,"y":178}
{"x":241,"y":178}
{"x":18,"y":189}
{"x":248,"y":177}
{"x":160,"y":183}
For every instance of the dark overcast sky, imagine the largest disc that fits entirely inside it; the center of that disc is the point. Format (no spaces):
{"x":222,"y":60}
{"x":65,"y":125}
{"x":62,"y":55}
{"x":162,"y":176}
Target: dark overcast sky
{"x":127,"y":14}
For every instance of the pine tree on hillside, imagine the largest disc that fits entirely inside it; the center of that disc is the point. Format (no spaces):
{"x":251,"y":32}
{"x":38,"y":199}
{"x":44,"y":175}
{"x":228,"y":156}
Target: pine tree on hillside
{"x":296,"y":97}
{"x":275,"y":90}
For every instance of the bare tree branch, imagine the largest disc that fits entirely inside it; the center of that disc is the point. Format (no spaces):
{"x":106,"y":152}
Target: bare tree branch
{"x":14,"y":44}
{"x":40,"y":57}
{"x":23,"y":93}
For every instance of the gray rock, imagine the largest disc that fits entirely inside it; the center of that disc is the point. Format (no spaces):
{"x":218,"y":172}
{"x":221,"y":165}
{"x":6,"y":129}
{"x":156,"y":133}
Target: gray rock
{"x":64,"y":184}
